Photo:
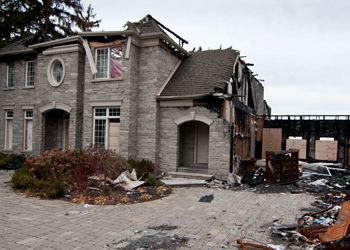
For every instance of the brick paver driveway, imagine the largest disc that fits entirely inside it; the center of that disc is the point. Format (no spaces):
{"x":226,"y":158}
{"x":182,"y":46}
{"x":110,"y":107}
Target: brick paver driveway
{"x":52,"y":224}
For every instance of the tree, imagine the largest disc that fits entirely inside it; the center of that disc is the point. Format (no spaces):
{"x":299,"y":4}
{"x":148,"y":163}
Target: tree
{"x":43,"y":20}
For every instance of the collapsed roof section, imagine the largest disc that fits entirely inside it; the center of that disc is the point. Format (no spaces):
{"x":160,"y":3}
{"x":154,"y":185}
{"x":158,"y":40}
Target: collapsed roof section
{"x":148,"y":24}
{"x":144,"y":30}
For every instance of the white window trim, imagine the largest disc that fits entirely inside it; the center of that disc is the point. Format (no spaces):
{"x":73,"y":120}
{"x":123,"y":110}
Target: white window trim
{"x":108,"y":62}
{"x":24,"y":129}
{"x":49,"y":72}
{"x":6,"y":132}
{"x":26,"y":81}
{"x":107,"y":117}
{"x":7,"y":76}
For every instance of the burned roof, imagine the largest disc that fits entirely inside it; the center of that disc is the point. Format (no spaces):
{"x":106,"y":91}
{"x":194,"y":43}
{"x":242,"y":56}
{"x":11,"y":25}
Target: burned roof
{"x":145,"y":25}
{"x":149,"y":24}
{"x":201,"y":72}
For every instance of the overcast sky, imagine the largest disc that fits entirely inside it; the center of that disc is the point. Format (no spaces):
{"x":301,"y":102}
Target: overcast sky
{"x":301,"y":48}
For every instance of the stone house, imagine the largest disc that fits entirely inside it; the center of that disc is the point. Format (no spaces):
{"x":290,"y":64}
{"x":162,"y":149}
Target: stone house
{"x":135,"y":91}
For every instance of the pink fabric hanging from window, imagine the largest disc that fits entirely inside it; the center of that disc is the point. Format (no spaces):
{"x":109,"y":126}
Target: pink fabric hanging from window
{"x":115,"y":68}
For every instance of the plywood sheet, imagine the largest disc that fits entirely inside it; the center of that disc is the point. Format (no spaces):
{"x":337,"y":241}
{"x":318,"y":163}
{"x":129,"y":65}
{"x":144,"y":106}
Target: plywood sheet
{"x":326,"y":150}
{"x":114,"y":131}
{"x":272,"y":140}
{"x":299,"y":144}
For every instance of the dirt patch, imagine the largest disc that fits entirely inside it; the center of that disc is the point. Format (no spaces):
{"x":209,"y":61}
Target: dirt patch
{"x":163,"y":227}
{"x":150,"y":242}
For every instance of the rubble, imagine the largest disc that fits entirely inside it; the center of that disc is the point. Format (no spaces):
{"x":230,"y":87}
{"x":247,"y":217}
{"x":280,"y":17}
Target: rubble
{"x":318,"y":229}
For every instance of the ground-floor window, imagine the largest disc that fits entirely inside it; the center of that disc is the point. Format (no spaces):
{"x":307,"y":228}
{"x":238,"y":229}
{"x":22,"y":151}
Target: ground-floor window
{"x":28,"y":130}
{"x":106,"y":127}
{"x":8,"y":129}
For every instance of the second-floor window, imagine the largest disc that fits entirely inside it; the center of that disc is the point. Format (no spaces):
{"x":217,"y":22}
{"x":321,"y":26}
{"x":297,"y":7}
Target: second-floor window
{"x":10,"y":83}
{"x":108,"y":63}
{"x":30,"y":73}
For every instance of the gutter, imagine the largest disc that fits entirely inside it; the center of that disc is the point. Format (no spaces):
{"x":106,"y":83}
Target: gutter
{"x":57,"y":41}
{"x":17,"y":52}
{"x":181,"y":97}
{"x":107,"y":33}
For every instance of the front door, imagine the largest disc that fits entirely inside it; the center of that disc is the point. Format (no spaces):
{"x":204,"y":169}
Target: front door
{"x":193,"y":144}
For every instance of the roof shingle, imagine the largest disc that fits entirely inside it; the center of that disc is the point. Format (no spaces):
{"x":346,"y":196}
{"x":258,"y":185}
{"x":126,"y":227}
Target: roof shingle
{"x":201,"y":72}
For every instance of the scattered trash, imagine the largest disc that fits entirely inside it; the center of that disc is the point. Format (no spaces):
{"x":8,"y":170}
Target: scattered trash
{"x":207,"y":198}
{"x":319,"y":228}
{"x":88,"y":205}
{"x":254,"y":179}
{"x":128,"y":180}
{"x":233,"y":179}
{"x":339,"y":229}
{"x":322,"y":182}
{"x":217,"y":183}
{"x":246,"y":245}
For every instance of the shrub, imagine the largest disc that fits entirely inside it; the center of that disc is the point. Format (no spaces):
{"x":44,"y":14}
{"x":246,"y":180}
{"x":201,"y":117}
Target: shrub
{"x":11,"y":161}
{"x":73,"y":167}
{"x":142,"y":167}
{"x":151,"y":180}
{"x":23,"y":181}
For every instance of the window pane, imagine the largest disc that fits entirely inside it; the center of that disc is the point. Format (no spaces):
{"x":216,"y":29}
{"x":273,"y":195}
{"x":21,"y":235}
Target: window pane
{"x":100,"y":129}
{"x":30,"y":73}
{"x":100,"y":112}
{"x":9,"y":114}
{"x":57,"y":71}
{"x":29,"y":114}
{"x":115,"y":112}
{"x":102,"y":63}
{"x":10,"y":75}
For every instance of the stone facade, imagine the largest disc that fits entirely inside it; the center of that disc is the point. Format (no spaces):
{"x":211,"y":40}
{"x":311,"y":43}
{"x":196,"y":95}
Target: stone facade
{"x":20,"y":98}
{"x":63,"y":115}
{"x":219,"y":139}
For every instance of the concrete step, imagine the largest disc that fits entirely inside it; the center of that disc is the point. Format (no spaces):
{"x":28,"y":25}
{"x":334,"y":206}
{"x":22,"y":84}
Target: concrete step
{"x":178,"y":182}
{"x":187,"y":175}
{"x":193,"y":169}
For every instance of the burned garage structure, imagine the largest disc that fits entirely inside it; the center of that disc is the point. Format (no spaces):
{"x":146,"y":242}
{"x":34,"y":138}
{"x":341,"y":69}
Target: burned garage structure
{"x":137,"y":91}
{"x":317,"y":137}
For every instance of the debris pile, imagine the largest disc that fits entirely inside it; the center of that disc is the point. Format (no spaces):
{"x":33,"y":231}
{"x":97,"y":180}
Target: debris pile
{"x":320,"y":230}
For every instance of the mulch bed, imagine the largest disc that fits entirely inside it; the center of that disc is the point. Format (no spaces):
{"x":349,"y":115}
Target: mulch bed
{"x":117,"y":195}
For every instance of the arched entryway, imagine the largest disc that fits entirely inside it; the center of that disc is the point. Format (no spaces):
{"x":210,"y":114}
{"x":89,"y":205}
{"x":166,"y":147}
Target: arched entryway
{"x":56,"y":129}
{"x":193,"y":146}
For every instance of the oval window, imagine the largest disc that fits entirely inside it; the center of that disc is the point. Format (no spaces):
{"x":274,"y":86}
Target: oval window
{"x":56,"y":71}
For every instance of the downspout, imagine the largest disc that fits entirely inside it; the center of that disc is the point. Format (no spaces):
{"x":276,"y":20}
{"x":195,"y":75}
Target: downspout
{"x":231,"y":139}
